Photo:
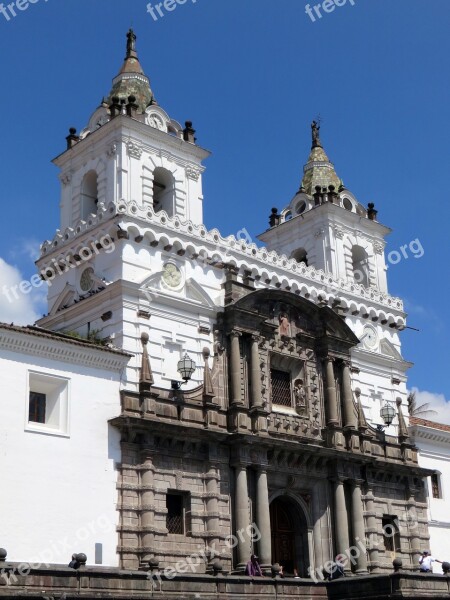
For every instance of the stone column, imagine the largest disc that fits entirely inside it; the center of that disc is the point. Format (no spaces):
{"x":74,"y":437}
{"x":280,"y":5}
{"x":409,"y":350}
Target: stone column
{"x":358,"y":527}
{"x":349,"y":419}
{"x":255,"y":374}
{"x":341,"y":521}
{"x":263,"y":518}
{"x":372,"y":532}
{"x":147,"y":507}
{"x":242,"y":516}
{"x":212,"y":509}
{"x":235,"y":368}
{"x":319,"y":558}
{"x":330,"y":393}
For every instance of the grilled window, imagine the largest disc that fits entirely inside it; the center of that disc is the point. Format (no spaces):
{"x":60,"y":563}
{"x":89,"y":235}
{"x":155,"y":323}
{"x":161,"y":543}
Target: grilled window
{"x":36,"y":412}
{"x":281,"y":388}
{"x":435,"y":486}
{"x":177,"y":513}
{"x":391,"y":534}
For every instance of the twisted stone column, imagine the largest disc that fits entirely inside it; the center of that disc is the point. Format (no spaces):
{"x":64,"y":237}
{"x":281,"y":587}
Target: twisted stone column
{"x":330,"y":393}
{"x":242,"y":516}
{"x":263,"y":518}
{"x":349,"y":419}
{"x":235,"y":368}
{"x":255,"y":374}
{"x":358,"y":527}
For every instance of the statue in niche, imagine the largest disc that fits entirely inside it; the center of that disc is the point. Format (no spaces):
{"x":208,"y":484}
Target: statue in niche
{"x":285,"y":326}
{"x":300,"y":396}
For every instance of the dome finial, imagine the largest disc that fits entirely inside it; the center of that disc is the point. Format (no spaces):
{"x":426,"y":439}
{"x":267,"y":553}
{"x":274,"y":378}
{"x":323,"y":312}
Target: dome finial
{"x":131,"y":44}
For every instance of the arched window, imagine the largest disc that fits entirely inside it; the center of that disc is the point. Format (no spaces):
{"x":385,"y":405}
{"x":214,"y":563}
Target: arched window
{"x":360,"y":262}
{"x":164,"y":191}
{"x":89,"y":194}
{"x":300,"y":255}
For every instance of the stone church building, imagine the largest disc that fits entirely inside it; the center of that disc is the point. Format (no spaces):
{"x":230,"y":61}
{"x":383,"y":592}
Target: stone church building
{"x":255,"y":394}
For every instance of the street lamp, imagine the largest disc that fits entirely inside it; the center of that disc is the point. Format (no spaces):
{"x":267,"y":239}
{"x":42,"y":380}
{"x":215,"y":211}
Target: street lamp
{"x":185,"y":367}
{"x":387,"y":413}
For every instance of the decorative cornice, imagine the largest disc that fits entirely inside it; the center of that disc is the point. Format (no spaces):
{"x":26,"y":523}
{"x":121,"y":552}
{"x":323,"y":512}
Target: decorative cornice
{"x":59,"y":348}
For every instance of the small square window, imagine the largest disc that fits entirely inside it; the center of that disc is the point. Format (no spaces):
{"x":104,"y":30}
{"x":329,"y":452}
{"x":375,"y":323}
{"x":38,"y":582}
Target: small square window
{"x":177,"y":505}
{"x":36,"y":412}
{"x":47,"y":409}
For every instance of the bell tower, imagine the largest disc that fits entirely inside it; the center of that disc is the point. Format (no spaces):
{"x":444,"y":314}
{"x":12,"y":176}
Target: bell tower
{"x":131,"y":166}
{"x":326,"y":227}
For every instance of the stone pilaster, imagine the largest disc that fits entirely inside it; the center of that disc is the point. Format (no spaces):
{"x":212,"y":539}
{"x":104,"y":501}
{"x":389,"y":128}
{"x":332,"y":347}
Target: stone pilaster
{"x":147,"y":508}
{"x":235,"y":368}
{"x":349,"y":416}
{"x":255,"y":373}
{"x":372,"y":531}
{"x":330,"y":393}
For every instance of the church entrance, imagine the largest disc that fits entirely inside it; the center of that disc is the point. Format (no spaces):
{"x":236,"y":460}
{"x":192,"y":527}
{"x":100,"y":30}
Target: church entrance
{"x":289,"y":536}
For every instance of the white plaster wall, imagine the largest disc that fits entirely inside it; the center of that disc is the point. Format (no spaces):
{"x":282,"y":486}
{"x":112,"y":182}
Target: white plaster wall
{"x":58,"y":493}
{"x":435,"y":455}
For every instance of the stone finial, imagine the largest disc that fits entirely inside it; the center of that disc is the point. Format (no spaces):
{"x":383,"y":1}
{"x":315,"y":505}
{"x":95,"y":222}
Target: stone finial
{"x":217,"y":567}
{"x":82,"y":559}
{"x":397,"y":564}
{"x":115,"y":108}
{"x":402,"y":428}
{"x":276,"y":570}
{"x":189,"y":133}
{"x":132,"y":106}
{"x":371,"y":212}
{"x":446,"y":568}
{"x":274,"y":219}
{"x":208,"y":388}
{"x":72,"y":138}
{"x":3,"y":555}
{"x":362,"y":422}
{"x":146,"y":376}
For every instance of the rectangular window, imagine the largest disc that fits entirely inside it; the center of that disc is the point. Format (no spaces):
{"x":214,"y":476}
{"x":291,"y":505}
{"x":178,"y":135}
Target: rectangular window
{"x":177,"y":505}
{"x":391,"y":534}
{"x":436,"y":485}
{"x":36,"y":409}
{"x":47,"y":408}
{"x":281,"y":387}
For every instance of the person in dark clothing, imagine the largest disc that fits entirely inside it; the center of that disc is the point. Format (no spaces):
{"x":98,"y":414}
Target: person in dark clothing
{"x":253,"y":569}
{"x":74,"y":564}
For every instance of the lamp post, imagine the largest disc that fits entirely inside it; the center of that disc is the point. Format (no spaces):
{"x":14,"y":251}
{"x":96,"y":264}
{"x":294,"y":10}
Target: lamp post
{"x":185,"y":367}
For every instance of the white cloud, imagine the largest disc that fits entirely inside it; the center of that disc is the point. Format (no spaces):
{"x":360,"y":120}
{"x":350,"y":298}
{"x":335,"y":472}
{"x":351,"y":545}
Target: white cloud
{"x":437,"y":402}
{"x":17,"y":307}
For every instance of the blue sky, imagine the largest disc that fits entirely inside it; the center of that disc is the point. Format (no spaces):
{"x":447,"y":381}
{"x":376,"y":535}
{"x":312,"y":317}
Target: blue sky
{"x":251,"y":75}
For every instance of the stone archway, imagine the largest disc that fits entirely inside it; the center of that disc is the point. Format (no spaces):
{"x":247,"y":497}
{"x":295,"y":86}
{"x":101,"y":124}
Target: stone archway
{"x":290,"y":535}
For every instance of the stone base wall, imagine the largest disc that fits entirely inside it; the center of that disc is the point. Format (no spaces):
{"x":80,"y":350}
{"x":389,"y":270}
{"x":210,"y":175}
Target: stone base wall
{"x":99,"y":583}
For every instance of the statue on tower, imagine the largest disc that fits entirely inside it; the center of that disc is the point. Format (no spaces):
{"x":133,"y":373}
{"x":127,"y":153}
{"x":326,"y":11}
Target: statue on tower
{"x":131,"y":43}
{"x":315,"y":130}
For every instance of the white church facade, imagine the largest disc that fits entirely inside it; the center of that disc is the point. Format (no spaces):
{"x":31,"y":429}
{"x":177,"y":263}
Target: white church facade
{"x":292,"y":422}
